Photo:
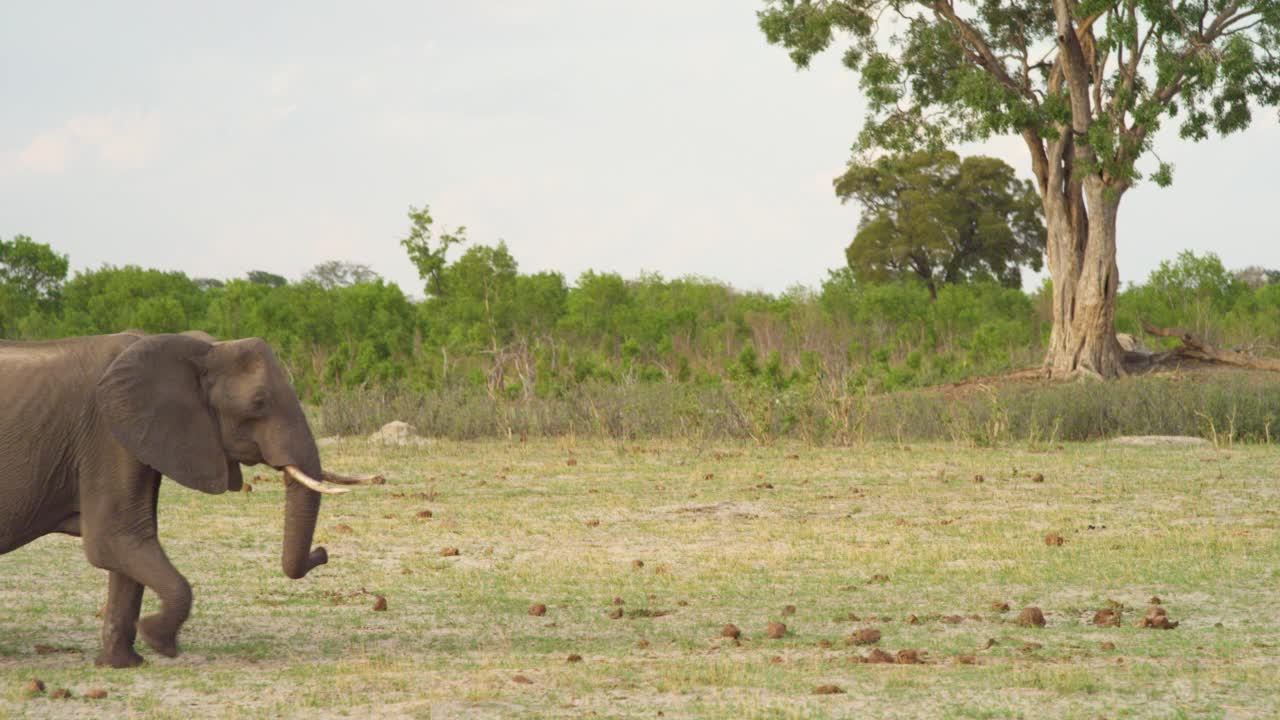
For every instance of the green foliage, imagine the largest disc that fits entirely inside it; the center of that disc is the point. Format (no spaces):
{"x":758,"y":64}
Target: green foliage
{"x":262,"y":277}
{"x":951,"y":73}
{"x":337,"y":273}
{"x":31,"y":277}
{"x":777,"y":364}
{"x":932,"y":216}
{"x":430,"y":263}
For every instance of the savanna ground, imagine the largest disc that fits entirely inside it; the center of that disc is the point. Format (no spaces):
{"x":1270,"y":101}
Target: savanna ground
{"x":725,"y":534}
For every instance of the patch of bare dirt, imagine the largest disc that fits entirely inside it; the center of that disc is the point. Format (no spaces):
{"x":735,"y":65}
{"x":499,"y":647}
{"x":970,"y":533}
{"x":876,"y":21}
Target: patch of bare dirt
{"x":828,"y":690}
{"x":1159,"y":440}
{"x":521,"y":679}
{"x":615,"y":614}
{"x":449,"y":552}
{"x":1053,"y":539}
{"x":1000,"y":607}
{"x":96,"y":694}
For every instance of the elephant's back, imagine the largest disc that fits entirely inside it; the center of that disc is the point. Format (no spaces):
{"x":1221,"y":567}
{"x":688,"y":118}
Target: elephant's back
{"x":54,"y":370}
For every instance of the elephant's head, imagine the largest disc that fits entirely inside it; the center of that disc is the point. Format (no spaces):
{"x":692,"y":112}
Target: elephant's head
{"x":196,"y":410}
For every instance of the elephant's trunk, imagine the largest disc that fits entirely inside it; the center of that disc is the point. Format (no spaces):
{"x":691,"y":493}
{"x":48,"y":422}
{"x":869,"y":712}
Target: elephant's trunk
{"x":301,"y":507}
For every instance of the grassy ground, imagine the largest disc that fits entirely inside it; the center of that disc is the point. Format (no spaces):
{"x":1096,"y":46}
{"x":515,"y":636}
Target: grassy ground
{"x":726,"y":534}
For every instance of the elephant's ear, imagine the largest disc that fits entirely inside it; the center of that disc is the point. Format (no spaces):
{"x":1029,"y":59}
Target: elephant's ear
{"x":152,"y":401}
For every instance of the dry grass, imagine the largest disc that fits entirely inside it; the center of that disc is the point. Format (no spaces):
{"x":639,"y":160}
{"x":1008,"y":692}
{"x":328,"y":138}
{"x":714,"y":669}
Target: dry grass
{"x":729,"y":534}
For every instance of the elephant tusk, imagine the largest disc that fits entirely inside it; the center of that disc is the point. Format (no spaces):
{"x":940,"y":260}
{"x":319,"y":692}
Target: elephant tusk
{"x":306,"y":480}
{"x":333,"y":477}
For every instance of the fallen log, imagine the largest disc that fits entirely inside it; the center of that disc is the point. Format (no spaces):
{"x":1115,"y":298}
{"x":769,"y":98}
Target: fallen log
{"x":1196,"y":349}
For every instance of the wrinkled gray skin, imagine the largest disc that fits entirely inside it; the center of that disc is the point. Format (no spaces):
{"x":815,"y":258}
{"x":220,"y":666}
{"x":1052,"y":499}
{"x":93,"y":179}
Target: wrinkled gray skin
{"x":87,"y":427}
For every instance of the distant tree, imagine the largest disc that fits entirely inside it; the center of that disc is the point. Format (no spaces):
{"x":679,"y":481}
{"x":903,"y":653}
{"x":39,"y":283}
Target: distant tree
{"x":262,"y":277}
{"x":430,"y":263}
{"x":1085,"y":84}
{"x":339,"y":273}
{"x":209,"y":283}
{"x":1256,"y":276}
{"x":933,"y":216}
{"x":32,"y":270}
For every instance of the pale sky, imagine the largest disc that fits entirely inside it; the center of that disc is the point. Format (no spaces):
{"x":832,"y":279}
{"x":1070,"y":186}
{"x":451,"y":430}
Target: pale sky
{"x":667,"y":135}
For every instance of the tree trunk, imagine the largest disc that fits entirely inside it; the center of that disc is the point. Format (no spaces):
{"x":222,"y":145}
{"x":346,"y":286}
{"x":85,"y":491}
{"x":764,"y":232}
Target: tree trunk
{"x":1082,"y":265}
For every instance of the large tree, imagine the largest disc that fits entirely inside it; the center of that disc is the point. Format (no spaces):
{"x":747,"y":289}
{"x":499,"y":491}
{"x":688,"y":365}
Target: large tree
{"x":933,"y":216}
{"x":1085,"y":83}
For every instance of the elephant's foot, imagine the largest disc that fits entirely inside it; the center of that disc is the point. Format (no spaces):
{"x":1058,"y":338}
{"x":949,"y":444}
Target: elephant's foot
{"x":161,"y":639}
{"x":120,"y":657}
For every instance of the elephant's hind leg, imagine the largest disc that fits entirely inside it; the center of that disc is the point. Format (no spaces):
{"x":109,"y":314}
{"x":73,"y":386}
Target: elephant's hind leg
{"x":120,"y":623}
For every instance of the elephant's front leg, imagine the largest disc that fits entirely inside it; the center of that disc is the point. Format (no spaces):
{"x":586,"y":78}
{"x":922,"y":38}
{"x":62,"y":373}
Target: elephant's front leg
{"x":120,"y":623}
{"x":150,"y":566}
{"x":118,"y":521}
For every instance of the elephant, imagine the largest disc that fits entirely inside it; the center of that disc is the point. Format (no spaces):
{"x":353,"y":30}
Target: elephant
{"x":89,"y":425}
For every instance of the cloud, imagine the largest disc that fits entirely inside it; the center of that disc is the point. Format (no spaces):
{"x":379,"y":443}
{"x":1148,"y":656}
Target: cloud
{"x":46,"y":153}
{"x":119,"y":140}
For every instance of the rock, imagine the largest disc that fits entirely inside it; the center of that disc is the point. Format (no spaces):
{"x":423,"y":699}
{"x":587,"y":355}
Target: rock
{"x":878,"y":657}
{"x":909,"y":657}
{"x":537,"y":610}
{"x":380,"y":604}
{"x":1107,"y":618}
{"x":574,"y":658}
{"x":730,"y":631}
{"x":1054,"y":539}
{"x":96,"y":694}
{"x":396,"y":432}
{"x":865,"y":636}
{"x":788,"y":610}
{"x":449,"y":552}
{"x":1157,"y":619}
{"x":1031,"y":617}
{"x":776,"y":630}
